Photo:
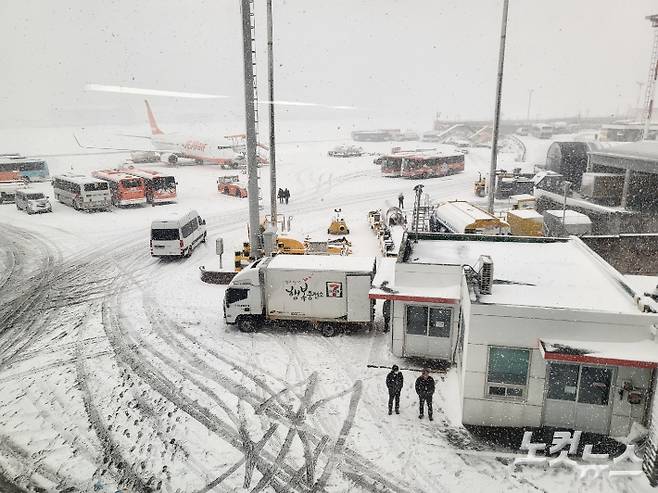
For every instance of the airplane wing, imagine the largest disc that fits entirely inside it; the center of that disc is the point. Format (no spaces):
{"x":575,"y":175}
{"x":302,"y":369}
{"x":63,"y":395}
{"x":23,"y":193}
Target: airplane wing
{"x":117,"y":150}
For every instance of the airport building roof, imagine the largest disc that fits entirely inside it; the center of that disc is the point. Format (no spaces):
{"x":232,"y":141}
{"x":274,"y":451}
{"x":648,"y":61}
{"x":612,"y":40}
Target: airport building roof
{"x":541,"y":272}
{"x":637,"y":156}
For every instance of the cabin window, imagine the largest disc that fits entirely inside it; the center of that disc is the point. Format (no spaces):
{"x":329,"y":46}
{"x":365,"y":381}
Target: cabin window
{"x":234,"y":295}
{"x":507,"y":372}
{"x":426,"y":321}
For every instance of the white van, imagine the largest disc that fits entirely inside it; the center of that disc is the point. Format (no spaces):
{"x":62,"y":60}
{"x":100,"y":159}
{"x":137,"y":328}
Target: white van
{"x":32,"y":202}
{"x":177,"y":235}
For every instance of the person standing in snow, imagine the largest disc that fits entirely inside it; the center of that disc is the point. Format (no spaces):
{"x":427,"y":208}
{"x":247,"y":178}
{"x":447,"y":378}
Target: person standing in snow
{"x":394,"y":383}
{"x":279,"y":195}
{"x":425,"y":390}
{"x":286,"y":195}
{"x":401,"y":201}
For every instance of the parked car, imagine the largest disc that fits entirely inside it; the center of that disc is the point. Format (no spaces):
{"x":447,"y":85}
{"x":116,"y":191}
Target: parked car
{"x":32,"y":202}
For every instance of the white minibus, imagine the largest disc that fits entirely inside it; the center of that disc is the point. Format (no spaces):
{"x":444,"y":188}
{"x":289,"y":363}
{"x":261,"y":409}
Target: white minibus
{"x":177,"y":235}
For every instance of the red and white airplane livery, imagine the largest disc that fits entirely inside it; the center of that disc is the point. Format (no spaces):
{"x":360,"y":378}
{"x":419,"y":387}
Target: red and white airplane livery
{"x":169,"y":148}
{"x":174,"y":146}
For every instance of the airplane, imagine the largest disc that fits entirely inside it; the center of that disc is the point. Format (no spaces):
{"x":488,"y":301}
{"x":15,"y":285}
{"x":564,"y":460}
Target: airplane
{"x":169,"y":148}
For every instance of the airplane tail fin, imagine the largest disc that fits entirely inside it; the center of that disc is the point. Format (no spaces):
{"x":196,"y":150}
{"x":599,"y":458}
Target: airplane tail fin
{"x":155,"y":130}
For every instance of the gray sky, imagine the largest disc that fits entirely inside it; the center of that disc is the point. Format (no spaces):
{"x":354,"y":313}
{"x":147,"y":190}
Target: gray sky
{"x":390,"y":58}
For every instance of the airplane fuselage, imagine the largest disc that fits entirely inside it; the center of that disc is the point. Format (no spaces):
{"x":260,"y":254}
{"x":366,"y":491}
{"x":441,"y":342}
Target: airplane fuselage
{"x":195,"y":148}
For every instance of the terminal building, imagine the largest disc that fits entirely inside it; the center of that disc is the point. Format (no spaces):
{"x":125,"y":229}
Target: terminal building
{"x":543,"y":331}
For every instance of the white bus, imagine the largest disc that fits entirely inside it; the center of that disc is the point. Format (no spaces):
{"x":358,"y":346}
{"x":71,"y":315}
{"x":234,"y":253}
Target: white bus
{"x":82,"y":192}
{"x":542,"y":130}
{"x":177,"y":235}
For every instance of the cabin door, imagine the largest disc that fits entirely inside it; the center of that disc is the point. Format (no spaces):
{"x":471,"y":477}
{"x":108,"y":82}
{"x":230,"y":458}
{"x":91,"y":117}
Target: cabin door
{"x":578,"y":397}
{"x":428,"y":332}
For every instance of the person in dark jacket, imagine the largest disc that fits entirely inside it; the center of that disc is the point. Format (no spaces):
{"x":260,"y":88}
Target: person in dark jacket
{"x":425,"y":390}
{"x":286,"y":195}
{"x":394,"y":383}
{"x":401,"y":201}
{"x":279,"y":195}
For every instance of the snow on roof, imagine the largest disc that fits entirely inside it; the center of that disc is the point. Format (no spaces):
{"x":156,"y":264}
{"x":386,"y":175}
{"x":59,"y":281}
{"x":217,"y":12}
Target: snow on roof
{"x":521,"y":196}
{"x":323,"y":263}
{"x":643,"y":353}
{"x":526,"y":213}
{"x":462,"y":212}
{"x":570,"y":217}
{"x":645,"y":150}
{"x":541,"y":273}
{"x":424,"y":288}
{"x":80,"y":179}
{"x":643,"y":284}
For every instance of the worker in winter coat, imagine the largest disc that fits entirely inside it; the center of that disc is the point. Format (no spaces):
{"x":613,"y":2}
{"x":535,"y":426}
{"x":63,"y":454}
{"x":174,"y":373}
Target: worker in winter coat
{"x":425,"y":390}
{"x":394,"y":383}
{"x":401,"y":201}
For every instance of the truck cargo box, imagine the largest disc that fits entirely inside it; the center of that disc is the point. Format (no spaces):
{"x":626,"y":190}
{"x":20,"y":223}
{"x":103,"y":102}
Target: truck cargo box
{"x":332,"y":288}
{"x":603,"y":187}
{"x":526,"y":222}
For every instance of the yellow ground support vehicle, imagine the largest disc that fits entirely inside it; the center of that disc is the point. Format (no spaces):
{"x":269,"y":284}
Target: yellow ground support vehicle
{"x":480,"y":186}
{"x":293,"y":246}
{"x":525,"y":222}
{"x":338,"y":225}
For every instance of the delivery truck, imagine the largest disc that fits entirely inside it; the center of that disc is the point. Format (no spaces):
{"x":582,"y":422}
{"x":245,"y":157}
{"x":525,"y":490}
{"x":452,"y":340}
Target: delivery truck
{"x":329,"y":293}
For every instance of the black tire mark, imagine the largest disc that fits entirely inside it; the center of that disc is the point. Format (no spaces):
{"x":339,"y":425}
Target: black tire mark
{"x":110,"y":448}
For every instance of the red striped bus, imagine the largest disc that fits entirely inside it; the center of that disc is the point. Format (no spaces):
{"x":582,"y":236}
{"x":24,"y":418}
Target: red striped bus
{"x":160,"y":187}
{"x":431,"y":165}
{"x":126,"y":189}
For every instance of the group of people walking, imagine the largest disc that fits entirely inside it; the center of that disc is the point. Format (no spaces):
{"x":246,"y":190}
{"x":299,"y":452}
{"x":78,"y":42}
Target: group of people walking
{"x":424,"y":388}
{"x":283,"y":195}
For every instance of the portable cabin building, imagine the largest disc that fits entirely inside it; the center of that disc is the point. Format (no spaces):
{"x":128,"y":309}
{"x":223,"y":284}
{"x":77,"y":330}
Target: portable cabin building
{"x":543,"y":331}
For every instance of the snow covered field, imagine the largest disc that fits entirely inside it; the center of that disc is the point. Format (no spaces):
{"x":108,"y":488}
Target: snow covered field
{"x":118,"y":372}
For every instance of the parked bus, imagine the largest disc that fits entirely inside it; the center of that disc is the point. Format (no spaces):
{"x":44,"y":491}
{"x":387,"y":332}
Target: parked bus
{"x":542,"y":130}
{"x":82,"y":192}
{"x":432,"y":165}
{"x":125,"y":189}
{"x":160,"y":187}
{"x":390,"y":165}
{"x":29,"y":169}
{"x":462,"y":217}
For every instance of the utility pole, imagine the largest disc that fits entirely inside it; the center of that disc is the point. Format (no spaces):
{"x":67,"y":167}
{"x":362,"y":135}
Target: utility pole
{"x":651,"y":79}
{"x":270,"y":64}
{"x":496,"y":123}
{"x":248,"y":51}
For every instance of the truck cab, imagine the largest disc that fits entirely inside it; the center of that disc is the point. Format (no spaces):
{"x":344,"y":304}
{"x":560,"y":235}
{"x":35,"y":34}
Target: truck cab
{"x":243,"y":298}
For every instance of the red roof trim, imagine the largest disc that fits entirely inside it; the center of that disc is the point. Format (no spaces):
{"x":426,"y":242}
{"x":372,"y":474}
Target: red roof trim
{"x":422,"y":299}
{"x":595,"y":360}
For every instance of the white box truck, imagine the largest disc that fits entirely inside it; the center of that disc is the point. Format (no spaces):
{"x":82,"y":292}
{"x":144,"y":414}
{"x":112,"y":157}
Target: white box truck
{"x":329,"y":292}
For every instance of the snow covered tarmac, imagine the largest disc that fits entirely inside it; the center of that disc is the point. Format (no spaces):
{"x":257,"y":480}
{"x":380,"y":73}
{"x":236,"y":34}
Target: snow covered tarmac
{"x":117,"y":371}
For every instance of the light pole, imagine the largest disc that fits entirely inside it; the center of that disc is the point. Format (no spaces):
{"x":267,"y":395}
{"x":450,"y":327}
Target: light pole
{"x":270,"y":64}
{"x":250,"y":123}
{"x":496,"y":122}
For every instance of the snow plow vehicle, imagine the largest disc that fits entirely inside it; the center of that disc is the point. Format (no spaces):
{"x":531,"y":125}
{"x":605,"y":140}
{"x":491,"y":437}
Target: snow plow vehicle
{"x":230,"y":185}
{"x":329,"y":293}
